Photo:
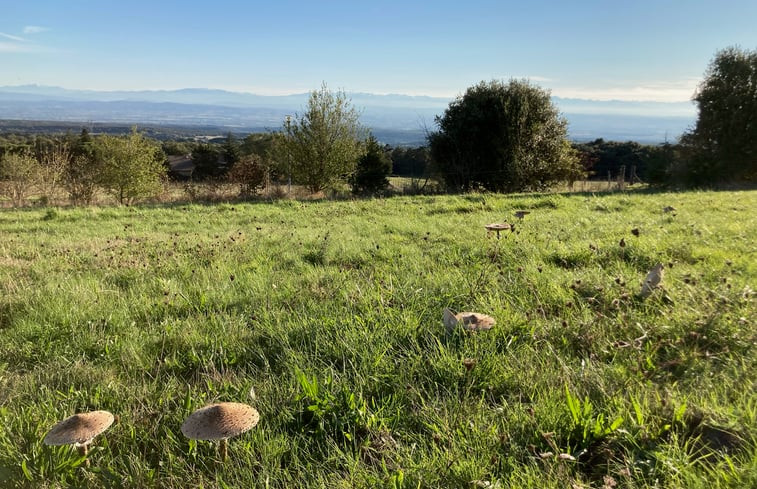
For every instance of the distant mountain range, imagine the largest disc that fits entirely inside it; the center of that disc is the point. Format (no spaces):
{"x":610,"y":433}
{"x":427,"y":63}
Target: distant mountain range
{"x":401,"y":119}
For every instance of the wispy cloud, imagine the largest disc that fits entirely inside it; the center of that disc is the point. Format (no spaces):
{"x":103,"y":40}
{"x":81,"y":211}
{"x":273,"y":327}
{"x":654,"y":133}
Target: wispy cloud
{"x":35,"y":29}
{"x":15,"y":47}
{"x":18,"y":44}
{"x":12,"y":38}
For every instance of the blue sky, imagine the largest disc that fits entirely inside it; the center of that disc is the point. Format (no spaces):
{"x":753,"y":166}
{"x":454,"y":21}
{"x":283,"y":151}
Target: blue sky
{"x":631,"y":50}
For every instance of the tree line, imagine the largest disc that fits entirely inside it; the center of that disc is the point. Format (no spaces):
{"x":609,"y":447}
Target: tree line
{"x":498,"y":136}
{"x":509,"y":137}
{"x":128,"y":167}
{"x":135,"y":167}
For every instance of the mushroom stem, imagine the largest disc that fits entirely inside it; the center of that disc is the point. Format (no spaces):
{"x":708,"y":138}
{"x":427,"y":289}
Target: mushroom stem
{"x":83,"y":451}
{"x":223,"y":447}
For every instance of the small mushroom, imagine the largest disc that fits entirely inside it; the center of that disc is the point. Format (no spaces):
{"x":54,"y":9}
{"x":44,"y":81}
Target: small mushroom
{"x":220,"y":422}
{"x":79,"y":430}
{"x":668,"y":208}
{"x":469,"y":363}
{"x":498,"y":226}
{"x":521,"y":214}
{"x":471,"y":321}
{"x":652,"y":281}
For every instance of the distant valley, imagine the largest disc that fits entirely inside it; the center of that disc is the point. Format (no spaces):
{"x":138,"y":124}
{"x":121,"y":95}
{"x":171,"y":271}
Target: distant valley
{"x":394,"y":119}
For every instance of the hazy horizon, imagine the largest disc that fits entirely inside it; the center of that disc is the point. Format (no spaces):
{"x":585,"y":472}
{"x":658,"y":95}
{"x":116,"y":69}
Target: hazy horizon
{"x":598,"y":98}
{"x":600,"y":95}
{"x":395,"y":119}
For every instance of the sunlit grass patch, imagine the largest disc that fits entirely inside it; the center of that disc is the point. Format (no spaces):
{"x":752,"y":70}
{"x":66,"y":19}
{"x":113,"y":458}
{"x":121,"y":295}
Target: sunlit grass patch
{"x":331,"y":314}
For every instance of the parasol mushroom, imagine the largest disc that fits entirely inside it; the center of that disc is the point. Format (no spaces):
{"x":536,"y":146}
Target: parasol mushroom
{"x":220,"y":422}
{"x":79,"y":430}
{"x":470,"y":321}
{"x":499,"y":226}
{"x":652,"y":281}
{"x":521,"y":214}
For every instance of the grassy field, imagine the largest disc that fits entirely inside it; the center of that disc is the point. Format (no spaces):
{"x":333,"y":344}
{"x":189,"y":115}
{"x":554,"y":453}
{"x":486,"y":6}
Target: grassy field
{"x":327,"y":317}
{"x":176,"y":193}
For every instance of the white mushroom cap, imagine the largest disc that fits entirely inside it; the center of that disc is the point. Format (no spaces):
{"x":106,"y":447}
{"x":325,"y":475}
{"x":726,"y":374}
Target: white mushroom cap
{"x":497,"y":226}
{"x":472,"y":321}
{"x":475,"y":321}
{"x":652,"y":280}
{"x":220,"y":421}
{"x":79,"y":429}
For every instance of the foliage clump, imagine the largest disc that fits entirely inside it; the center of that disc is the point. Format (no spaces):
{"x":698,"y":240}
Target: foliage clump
{"x":322,"y":146}
{"x":19,"y":172}
{"x":724,"y":139}
{"x":372,"y":170}
{"x":249,"y":174}
{"x":207,"y":162}
{"x":503,"y":137}
{"x":722,"y":147}
{"x":131,"y":167}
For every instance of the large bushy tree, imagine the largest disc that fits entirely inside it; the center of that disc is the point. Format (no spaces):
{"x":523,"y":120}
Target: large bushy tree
{"x":323,"y":144}
{"x":723,"y":144}
{"x":503,"y":137}
{"x":131,"y":167}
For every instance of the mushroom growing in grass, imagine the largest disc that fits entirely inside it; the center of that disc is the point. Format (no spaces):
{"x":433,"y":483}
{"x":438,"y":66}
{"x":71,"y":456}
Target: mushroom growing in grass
{"x":471,"y":321}
{"x":499,"y":226}
{"x":79,"y":430}
{"x":652,"y":281}
{"x":220,"y":422}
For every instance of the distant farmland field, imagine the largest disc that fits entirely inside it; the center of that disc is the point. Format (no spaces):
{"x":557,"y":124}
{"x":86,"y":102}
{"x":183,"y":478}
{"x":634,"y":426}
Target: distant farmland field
{"x":327,"y":318}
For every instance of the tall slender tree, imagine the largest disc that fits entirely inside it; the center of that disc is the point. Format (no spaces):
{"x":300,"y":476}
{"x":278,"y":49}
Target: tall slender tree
{"x":324,"y":143}
{"x":231,"y":150}
{"x":373,"y":169}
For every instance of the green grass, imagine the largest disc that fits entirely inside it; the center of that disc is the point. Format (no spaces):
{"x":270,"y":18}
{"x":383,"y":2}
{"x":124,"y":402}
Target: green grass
{"x":331,"y":312}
